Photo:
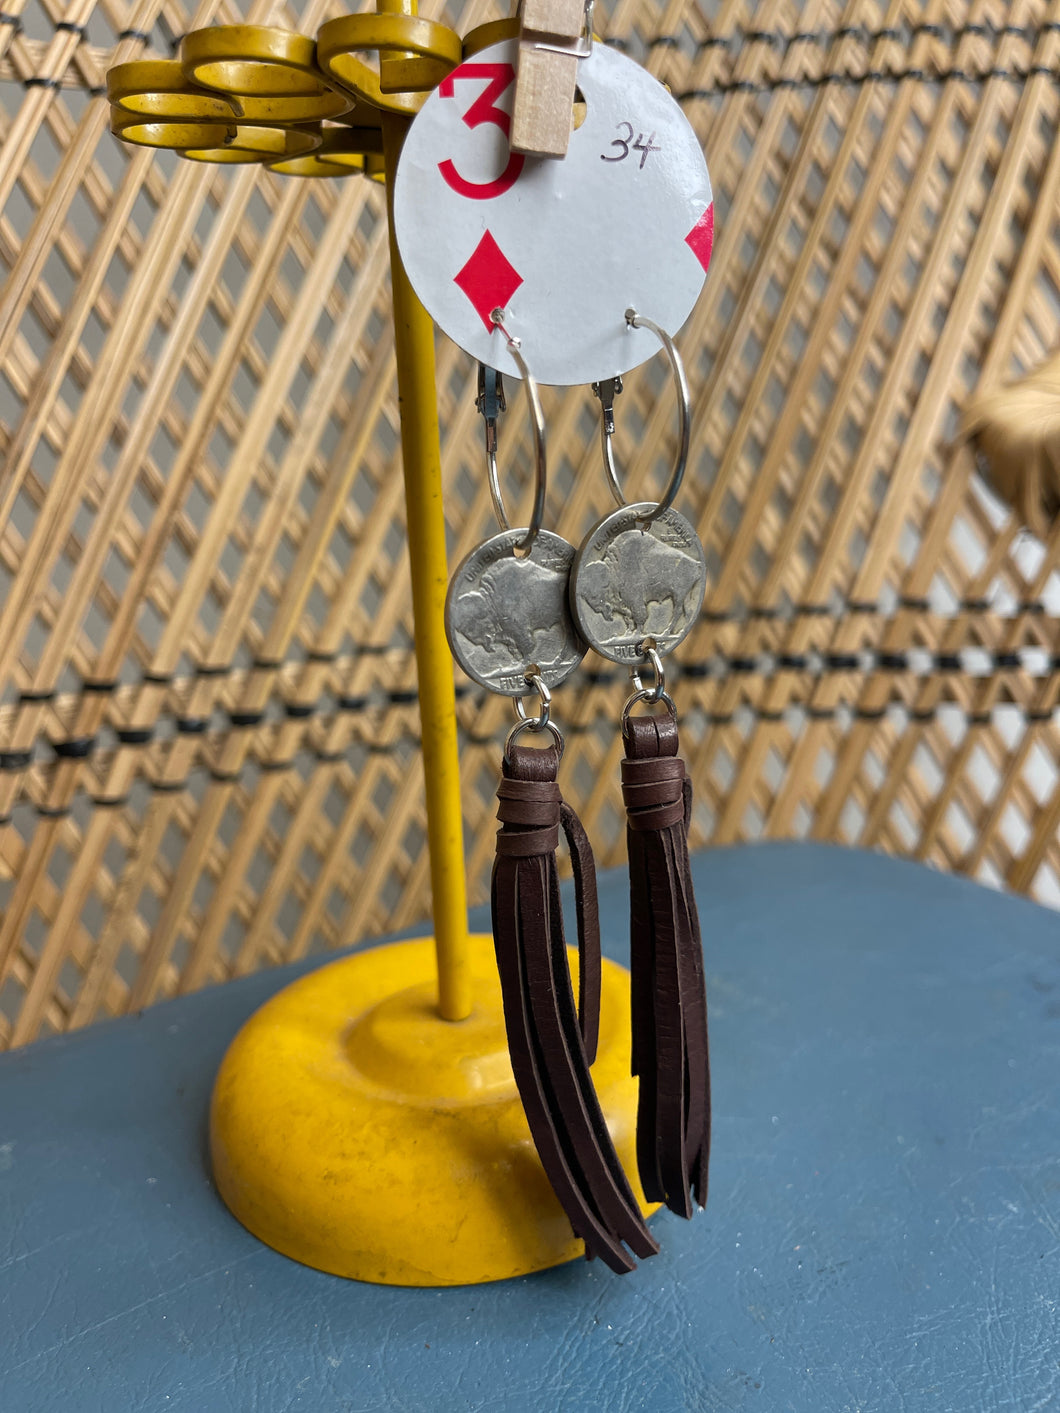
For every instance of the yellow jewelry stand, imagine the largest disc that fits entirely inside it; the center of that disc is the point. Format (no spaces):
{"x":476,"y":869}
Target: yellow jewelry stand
{"x":355,"y":1130}
{"x":365,"y":1121}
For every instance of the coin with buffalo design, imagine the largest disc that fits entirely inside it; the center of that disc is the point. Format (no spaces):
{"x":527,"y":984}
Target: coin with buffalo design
{"x":506,"y":613}
{"x":635,"y":579}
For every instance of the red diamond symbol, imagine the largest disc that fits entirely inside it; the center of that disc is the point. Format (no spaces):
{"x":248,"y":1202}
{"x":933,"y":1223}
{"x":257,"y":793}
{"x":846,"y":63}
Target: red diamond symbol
{"x":700,"y":239}
{"x":488,"y":279}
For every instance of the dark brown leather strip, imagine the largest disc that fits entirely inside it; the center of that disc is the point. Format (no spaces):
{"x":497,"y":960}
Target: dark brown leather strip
{"x":587,"y":911}
{"x":529,"y":1079}
{"x":668,"y":992}
{"x":547,"y":1041}
{"x":698,"y":1131}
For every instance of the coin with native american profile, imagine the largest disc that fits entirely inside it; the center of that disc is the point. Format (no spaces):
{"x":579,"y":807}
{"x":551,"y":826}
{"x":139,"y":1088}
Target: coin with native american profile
{"x":635,"y":579}
{"x":506,"y":613}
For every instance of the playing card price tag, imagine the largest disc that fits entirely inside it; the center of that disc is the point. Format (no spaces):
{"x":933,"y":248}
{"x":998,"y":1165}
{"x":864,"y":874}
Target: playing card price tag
{"x":564,"y":247}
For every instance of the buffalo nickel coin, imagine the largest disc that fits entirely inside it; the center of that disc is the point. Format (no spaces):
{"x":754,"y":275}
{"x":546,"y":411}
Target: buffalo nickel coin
{"x":506,"y":613}
{"x":634,"y":579}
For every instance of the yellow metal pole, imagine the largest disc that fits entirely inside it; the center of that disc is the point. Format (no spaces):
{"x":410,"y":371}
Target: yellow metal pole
{"x":417,"y":398}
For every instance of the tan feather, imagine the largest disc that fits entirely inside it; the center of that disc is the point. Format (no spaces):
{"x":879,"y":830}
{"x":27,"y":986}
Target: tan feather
{"x":1015,"y":431}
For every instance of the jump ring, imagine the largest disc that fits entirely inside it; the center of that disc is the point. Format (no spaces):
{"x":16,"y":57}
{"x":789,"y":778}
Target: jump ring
{"x":657,"y":691}
{"x":557,"y":735}
{"x":648,"y":695}
{"x":541,"y":720}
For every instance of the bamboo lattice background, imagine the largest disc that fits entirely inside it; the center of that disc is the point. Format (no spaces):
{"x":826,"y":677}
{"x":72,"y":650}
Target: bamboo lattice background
{"x":208,"y":729}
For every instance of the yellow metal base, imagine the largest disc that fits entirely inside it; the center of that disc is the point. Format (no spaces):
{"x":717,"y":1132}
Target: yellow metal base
{"x":355,"y":1131}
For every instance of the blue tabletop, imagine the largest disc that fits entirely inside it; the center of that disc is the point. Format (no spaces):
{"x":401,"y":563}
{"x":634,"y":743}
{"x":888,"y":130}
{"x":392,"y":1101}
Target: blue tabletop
{"x":883,"y":1230}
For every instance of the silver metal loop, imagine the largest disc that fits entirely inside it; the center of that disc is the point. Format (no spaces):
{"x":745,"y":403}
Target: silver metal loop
{"x":557,"y":735}
{"x":537,"y":422}
{"x":657,"y":691}
{"x":684,"y":415}
{"x":544,"y":696}
{"x":495,"y":489}
{"x":648,"y":695}
{"x":541,"y":722}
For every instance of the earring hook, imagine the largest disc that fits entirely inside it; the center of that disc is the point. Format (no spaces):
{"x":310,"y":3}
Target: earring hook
{"x":607,"y":389}
{"x":490,"y":403}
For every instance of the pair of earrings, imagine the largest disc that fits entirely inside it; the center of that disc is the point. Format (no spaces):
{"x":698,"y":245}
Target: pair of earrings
{"x":521,"y":611}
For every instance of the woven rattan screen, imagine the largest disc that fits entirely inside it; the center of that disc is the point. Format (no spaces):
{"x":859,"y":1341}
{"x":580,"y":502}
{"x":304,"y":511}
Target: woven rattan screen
{"x":208,"y":724}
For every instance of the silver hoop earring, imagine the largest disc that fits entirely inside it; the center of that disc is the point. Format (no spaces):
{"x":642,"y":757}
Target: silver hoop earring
{"x":537,"y":423}
{"x":507,"y":612}
{"x":508,"y":620}
{"x":647,"y":544}
{"x":609,"y":388}
{"x":636,"y":590}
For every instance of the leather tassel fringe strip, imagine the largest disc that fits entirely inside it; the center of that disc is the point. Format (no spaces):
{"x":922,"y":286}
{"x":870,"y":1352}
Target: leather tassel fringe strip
{"x":668,"y":991}
{"x":551,"y":1050}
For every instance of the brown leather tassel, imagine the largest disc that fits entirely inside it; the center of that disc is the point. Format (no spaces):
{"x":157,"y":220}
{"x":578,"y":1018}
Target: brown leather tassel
{"x":669,"y":1000}
{"x":551,"y":1052}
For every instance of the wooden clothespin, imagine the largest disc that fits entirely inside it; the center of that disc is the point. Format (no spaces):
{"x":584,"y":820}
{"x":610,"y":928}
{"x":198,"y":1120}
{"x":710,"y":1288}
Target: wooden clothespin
{"x":550,"y":45}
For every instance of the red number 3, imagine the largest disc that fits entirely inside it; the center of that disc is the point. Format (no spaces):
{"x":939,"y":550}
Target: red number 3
{"x":499,"y":78}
